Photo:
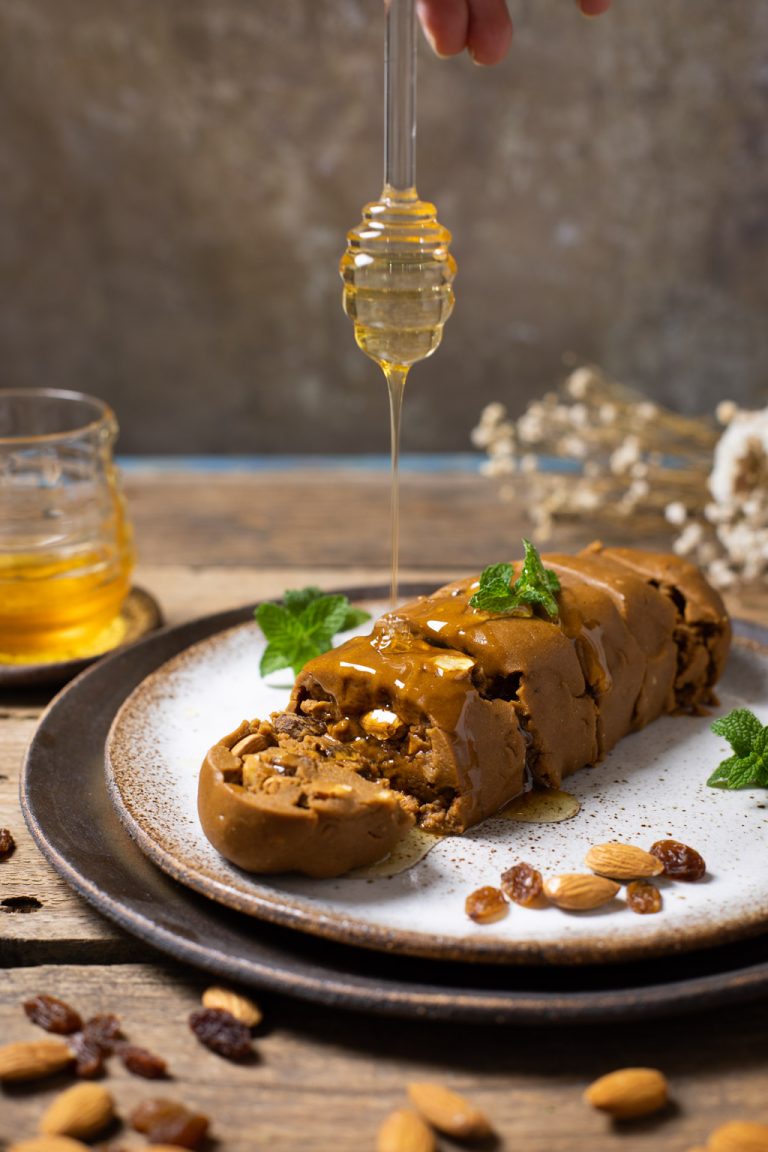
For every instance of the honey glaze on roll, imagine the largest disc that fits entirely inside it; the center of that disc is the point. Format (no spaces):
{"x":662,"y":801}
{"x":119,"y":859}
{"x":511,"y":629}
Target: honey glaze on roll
{"x":451,"y":712}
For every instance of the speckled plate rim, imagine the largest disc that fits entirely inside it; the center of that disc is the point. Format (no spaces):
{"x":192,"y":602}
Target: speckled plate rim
{"x":15,"y":676}
{"x":303,"y":914}
{"x":90,"y":849}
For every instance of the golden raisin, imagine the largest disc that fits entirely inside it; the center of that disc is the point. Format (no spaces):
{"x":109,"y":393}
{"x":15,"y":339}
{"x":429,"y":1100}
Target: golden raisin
{"x":485,"y":905}
{"x":7,"y":844}
{"x":680,"y":862}
{"x":169,"y":1122}
{"x":522,"y":884}
{"x":53,"y":1015}
{"x":150,"y":1113}
{"x":141,"y":1062}
{"x":643,"y":898}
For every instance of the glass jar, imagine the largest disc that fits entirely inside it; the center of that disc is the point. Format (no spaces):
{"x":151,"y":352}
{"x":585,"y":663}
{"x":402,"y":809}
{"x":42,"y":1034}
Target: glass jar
{"x":65,"y":544}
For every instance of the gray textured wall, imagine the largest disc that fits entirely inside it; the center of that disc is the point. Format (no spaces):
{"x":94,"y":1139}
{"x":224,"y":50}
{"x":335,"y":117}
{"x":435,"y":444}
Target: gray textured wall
{"x":176,"y":177}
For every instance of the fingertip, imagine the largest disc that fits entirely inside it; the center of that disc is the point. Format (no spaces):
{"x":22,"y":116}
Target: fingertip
{"x":445,"y":24}
{"x":490,"y":31}
{"x":594,"y":7}
{"x":487,"y":51}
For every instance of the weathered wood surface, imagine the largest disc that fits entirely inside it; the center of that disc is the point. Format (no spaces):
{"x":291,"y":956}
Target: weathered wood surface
{"x":314,"y":517}
{"x":325,"y":1079}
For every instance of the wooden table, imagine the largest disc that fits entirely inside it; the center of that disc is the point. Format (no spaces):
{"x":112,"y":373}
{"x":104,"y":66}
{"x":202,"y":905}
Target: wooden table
{"x":326,"y":1078}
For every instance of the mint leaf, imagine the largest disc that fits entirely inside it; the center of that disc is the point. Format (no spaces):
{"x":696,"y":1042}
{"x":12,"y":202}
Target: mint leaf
{"x":748,"y":767}
{"x":303,"y":627}
{"x":297,"y":599}
{"x":740,"y":728}
{"x":536,"y":586}
{"x":323,"y":618}
{"x":353,"y":618}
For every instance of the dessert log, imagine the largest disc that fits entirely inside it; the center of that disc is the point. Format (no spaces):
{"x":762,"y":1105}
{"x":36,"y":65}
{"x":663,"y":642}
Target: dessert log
{"x":445,"y":713}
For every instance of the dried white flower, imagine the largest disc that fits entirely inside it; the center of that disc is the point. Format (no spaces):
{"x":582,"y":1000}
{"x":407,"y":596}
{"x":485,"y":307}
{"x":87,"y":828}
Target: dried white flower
{"x":676,"y":513}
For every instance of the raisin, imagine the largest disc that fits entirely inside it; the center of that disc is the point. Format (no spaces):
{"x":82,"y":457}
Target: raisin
{"x":222,"y":1033}
{"x":89,"y":1058}
{"x":7,"y":844}
{"x":485,"y":905}
{"x":53,"y":1015}
{"x":103,"y":1032}
{"x":142,"y":1062}
{"x":643,"y":898}
{"x":522,"y":884}
{"x":150,"y":1113}
{"x":169,"y":1122}
{"x":680,"y":862}
{"x":188,"y":1131}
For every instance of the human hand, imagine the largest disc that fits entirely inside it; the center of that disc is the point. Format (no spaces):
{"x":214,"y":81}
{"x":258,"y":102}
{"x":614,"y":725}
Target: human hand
{"x":483,"y":27}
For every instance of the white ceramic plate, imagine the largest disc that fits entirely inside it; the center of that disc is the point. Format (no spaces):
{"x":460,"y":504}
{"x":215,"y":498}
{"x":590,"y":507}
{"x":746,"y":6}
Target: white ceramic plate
{"x":652,"y":786}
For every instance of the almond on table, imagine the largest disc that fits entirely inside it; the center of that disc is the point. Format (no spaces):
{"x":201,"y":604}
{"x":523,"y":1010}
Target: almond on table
{"x":49,"y":1144}
{"x":629,"y":1092}
{"x":405,"y":1131}
{"x":241,"y":1007}
{"x":739,"y":1136}
{"x":449,"y":1112}
{"x":34,"y":1060}
{"x":82,"y":1111}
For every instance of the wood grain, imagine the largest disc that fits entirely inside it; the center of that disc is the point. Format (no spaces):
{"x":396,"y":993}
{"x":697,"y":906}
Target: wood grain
{"x":325,"y":1079}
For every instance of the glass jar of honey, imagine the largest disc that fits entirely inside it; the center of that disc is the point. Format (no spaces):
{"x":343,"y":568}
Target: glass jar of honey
{"x":65,"y":544}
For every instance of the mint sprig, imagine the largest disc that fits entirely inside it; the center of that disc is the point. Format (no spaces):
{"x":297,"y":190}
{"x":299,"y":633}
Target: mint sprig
{"x":536,"y":587}
{"x":748,"y":767}
{"x":303,"y":627}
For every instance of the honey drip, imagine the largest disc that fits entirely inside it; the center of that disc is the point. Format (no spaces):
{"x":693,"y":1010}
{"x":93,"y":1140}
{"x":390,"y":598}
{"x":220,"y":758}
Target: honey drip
{"x":550,"y":807}
{"x":405,"y":854}
{"x":398,"y":276}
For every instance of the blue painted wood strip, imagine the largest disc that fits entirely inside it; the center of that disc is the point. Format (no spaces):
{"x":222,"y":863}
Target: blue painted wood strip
{"x":409,"y":462}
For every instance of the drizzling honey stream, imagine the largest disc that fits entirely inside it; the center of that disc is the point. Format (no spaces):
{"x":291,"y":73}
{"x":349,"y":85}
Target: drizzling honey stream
{"x":397,"y":269}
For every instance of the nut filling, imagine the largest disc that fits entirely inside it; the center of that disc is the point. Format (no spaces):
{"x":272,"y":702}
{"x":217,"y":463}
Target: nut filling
{"x":445,"y":713}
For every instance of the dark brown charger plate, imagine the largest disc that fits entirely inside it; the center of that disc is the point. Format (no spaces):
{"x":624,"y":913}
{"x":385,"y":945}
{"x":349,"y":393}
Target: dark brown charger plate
{"x":87,"y":844}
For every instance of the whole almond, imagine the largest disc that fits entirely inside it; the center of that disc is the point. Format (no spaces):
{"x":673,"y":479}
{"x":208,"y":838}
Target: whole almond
{"x":405,"y":1131}
{"x":49,"y":1144}
{"x":83,"y":1111}
{"x":623,"y":861}
{"x":34,"y":1059}
{"x":739,"y":1136}
{"x":579,"y":892}
{"x":238,"y":1006}
{"x":449,"y":1112}
{"x":628,"y":1092}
